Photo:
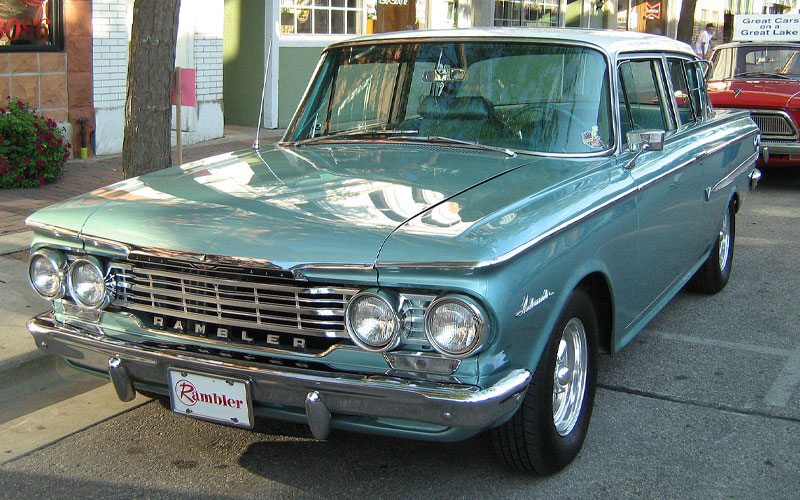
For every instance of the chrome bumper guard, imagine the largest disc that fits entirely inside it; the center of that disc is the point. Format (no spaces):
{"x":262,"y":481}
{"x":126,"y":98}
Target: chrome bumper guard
{"x":449,"y":405}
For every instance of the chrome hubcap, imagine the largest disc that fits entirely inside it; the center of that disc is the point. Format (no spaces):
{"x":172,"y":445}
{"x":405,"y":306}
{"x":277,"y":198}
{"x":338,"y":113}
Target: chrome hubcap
{"x":569,"y":377}
{"x":724,"y":240}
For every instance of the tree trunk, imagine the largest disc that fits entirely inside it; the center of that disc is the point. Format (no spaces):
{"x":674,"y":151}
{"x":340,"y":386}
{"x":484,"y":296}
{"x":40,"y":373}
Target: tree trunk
{"x":686,"y":21}
{"x":151,"y":65}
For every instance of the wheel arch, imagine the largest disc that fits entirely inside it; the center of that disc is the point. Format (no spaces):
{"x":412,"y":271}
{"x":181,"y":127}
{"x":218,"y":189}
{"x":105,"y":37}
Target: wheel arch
{"x":599,"y":290}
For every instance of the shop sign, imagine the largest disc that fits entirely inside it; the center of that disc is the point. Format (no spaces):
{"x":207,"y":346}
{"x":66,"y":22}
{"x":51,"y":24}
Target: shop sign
{"x":652,"y":11}
{"x":393,"y":2}
{"x":766,"y":27}
{"x":28,"y":24}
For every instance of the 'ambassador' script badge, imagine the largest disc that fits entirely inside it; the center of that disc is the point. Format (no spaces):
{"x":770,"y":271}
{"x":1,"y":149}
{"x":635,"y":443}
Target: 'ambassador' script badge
{"x":529,"y":303}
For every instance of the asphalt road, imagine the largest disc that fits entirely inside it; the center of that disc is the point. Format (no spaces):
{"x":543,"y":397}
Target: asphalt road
{"x":703,"y":404}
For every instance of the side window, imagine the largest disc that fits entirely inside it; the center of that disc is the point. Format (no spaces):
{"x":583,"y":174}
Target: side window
{"x":687,"y":100}
{"x":697,"y":90}
{"x":642,"y":102}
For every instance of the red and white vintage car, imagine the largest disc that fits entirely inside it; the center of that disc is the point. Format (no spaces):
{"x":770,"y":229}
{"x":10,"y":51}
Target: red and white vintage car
{"x":763,"y":77}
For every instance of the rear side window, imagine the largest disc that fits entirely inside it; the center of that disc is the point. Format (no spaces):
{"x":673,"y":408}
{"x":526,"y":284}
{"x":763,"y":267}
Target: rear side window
{"x":687,"y":97}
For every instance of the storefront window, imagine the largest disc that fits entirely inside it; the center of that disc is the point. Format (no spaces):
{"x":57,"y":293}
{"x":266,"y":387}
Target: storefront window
{"x":31,"y":26}
{"x":321,"y":17}
{"x":526,"y":12}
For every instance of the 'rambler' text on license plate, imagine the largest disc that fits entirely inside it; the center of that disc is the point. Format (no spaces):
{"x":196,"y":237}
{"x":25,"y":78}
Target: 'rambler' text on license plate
{"x":222,"y":400}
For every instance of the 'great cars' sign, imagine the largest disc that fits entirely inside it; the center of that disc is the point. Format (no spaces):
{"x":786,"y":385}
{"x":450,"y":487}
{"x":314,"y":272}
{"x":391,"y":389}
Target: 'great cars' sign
{"x":766,"y":27}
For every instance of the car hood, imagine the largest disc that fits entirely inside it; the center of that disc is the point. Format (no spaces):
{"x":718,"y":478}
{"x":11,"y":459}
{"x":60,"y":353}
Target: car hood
{"x":756,"y":93}
{"x":290,"y":206}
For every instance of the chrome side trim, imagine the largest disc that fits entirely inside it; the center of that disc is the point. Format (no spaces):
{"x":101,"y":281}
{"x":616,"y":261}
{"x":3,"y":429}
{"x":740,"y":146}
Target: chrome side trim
{"x":728,"y":179}
{"x":721,"y":146}
{"x":561,"y":227}
{"x":456,"y":265}
{"x":447,"y":405}
{"x":52,"y":231}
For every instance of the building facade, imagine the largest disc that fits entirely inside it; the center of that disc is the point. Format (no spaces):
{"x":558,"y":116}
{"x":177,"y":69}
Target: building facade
{"x":45,"y":59}
{"x":199,"y":50}
{"x":287,"y":36}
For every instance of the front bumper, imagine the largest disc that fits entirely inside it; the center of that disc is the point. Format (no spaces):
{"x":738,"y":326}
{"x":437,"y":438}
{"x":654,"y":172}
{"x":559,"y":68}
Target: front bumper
{"x":321,"y":395}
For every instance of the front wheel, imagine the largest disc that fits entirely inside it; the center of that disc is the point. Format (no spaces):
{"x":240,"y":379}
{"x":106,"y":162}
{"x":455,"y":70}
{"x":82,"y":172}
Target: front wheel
{"x":548,"y":430}
{"x":714,"y":273}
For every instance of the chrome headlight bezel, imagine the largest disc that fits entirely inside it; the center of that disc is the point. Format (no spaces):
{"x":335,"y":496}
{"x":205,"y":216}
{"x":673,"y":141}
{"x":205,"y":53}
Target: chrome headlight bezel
{"x":478,"y":315}
{"x":394,"y":303}
{"x":58,"y":263}
{"x":108,"y":291}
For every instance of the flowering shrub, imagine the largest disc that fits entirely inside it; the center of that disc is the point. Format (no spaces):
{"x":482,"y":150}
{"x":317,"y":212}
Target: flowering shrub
{"x":32,"y":148}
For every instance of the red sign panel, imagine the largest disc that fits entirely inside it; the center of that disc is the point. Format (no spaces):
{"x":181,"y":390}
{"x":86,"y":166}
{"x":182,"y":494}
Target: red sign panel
{"x":188,"y":97}
{"x":652,"y":10}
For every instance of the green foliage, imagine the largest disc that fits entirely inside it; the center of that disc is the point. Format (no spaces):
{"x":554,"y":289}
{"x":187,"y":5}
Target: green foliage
{"x":32,"y":148}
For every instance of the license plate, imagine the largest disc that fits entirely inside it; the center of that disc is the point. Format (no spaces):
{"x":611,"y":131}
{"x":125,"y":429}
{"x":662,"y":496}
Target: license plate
{"x":222,"y":400}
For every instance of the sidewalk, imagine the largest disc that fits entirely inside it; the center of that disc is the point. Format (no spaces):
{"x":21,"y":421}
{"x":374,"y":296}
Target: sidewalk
{"x":85,"y":175}
{"x":18,"y":301}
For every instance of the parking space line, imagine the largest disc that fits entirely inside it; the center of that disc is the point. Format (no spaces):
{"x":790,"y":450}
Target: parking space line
{"x":785,"y":383}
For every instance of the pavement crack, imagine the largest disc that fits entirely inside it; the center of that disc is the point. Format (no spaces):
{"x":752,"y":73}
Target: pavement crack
{"x":699,"y":404}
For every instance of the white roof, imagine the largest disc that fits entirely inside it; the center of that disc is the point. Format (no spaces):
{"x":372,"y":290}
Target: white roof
{"x":610,"y":41}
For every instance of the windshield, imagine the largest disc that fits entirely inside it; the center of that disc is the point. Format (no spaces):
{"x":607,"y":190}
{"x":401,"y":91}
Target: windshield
{"x":755,"y":61}
{"x":539,"y":97}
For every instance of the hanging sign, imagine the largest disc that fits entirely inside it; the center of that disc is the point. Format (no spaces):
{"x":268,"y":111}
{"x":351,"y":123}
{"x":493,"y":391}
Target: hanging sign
{"x":652,"y":10}
{"x":766,"y":27}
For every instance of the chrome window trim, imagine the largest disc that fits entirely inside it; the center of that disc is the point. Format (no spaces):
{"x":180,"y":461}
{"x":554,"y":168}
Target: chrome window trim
{"x":285,"y":143}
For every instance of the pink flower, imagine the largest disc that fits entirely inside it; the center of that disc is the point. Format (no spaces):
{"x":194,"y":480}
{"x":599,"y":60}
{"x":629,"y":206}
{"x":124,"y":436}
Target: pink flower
{"x":41,"y":180}
{"x":66,"y":156}
{"x":53,"y":144}
{"x":3,"y":111}
{"x":20,"y":104}
{"x":60,"y":141}
{"x":19,"y":179}
{"x":26,"y":160}
{"x":2,"y":139}
{"x":40,"y":163}
{"x":39,"y":147}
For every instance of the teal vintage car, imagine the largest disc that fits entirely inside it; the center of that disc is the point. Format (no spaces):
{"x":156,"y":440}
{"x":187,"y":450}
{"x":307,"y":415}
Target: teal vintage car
{"x":454,"y":225}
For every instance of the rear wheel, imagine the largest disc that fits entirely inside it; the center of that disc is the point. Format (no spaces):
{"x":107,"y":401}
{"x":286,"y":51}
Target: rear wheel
{"x":548,"y":430}
{"x":715,"y":271}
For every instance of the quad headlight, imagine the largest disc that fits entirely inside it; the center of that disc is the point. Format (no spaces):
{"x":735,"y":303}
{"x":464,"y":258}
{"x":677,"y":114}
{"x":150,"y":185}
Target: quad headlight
{"x":375,"y":320}
{"x":46,"y":271}
{"x":455,"y":326}
{"x":87,"y":283}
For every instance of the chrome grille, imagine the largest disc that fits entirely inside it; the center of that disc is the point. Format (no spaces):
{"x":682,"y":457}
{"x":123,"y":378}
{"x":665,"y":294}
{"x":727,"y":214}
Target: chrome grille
{"x":264,"y":299}
{"x":775,"y":125}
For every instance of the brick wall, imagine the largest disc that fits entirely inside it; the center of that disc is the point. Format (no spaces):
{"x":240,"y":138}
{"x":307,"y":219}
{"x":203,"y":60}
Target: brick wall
{"x":110,"y":26}
{"x":208,"y":63}
{"x":199,"y":47}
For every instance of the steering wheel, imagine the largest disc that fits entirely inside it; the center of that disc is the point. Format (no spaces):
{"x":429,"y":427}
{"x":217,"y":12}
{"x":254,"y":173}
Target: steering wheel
{"x":539,"y":116}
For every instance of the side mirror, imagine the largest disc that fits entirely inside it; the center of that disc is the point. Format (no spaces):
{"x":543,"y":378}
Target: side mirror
{"x":646,"y":140}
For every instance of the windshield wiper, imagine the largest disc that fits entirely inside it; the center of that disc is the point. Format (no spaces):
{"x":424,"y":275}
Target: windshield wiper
{"x":356,"y":134}
{"x":759,"y":73}
{"x":404,"y":134}
{"x":477,"y":145}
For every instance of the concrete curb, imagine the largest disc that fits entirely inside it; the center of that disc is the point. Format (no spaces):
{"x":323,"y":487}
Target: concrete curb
{"x":15,"y":242}
{"x":19,"y":304}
